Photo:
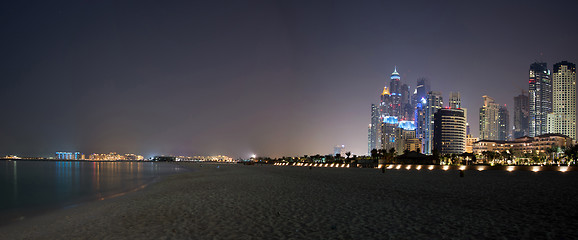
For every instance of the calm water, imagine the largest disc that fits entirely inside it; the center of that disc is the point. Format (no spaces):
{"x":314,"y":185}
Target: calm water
{"x":32,"y":187}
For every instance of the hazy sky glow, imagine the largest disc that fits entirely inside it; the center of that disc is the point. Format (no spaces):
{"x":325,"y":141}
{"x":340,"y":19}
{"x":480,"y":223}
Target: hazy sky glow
{"x":274,"y":78}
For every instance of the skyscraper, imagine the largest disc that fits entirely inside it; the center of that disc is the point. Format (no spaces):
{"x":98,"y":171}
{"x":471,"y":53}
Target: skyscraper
{"x":563,"y":118}
{"x":455,"y":100}
{"x":374,"y":126}
{"x":449,"y":131}
{"x":540,"y":98}
{"x":503,"y":123}
{"x":434,"y":102}
{"x":420,"y":101}
{"x":489,"y":124}
{"x":521,"y":116}
{"x":395,"y":92}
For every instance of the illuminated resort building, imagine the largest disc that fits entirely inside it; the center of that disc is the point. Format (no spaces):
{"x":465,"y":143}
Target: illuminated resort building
{"x":449,"y":131}
{"x":563,"y":118}
{"x":539,"y":144}
{"x":69,"y":156}
{"x":469,"y":148}
{"x":540,"y":90}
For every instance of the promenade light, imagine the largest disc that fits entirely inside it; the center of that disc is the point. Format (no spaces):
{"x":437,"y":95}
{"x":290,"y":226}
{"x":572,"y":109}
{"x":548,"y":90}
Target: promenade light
{"x":408,"y":167}
{"x":431,"y":167}
{"x":418,"y":167}
{"x":446,"y":167}
{"x":563,"y":169}
{"x":398,"y":167}
{"x":510,"y":168}
{"x":535,"y":169}
{"x":462,"y":168}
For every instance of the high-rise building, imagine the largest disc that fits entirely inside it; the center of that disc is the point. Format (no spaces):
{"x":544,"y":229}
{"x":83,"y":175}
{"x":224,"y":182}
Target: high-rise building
{"x":406,"y":106}
{"x":395,"y":94}
{"x":449,"y":131}
{"x":521,"y":116}
{"x":455,"y":100}
{"x":419,"y":99}
{"x":540,"y":94}
{"x":434,"y":102}
{"x":374,"y":127}
{"x":503,"y":123}
{"x":489,"y":124}
{"x":563,"y":118}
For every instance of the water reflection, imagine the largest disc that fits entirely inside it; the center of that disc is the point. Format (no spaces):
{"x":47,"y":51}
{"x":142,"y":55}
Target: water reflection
{"x":29,"y":186}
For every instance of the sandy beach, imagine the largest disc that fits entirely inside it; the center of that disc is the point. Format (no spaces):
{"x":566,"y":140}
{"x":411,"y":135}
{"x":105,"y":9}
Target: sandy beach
{"x":281,"y":202}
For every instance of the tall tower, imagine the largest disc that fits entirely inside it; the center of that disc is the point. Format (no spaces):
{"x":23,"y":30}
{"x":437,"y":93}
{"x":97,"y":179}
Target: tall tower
{"x":395,"y":91}
{"x":563,"y":118}
{"x":503,"y":123}
{"x":434,"y":102}
{"x":521,"y":116}
{"x":540,"y":98}
{"x":450,"y":131}
{"x":489,"y":119}
{"x":374,"y":126}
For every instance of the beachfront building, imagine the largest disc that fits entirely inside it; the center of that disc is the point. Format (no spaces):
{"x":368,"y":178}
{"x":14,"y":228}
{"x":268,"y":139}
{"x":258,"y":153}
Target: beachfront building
{"x":449,"y":131}
{"x":539,"y":144}
{"x":563,"y":118}
{"x":540,"y":91}
{"x":69,"y":155}
{"x":469,"y":148}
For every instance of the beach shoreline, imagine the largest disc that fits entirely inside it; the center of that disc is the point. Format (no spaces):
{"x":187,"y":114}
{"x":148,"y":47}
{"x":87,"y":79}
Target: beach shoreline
{"x":269,"y":202}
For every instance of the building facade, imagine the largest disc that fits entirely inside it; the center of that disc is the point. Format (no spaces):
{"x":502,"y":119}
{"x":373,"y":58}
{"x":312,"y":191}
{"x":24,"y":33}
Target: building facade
{"x":373,"y":140}
{"x":521,"y":116}
{"x":449,"y":131}
{"x":434,"y":102}
{"x":562,"y":120}
{"x":540,"y":95}
{"x":503,"y":123}
{"x":489,"y":124}
{"x":538,"y":144}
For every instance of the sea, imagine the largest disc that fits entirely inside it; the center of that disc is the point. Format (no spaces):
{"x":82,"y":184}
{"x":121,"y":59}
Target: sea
{"x":29,"y":188}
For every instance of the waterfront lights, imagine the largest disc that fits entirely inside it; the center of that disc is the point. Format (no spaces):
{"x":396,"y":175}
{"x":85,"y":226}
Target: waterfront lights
{"x":390,"y":167}
{"x":535,"y":168}
{"x":563,"y":169}
{"x":446,"y":167}
{"x":431,"y":167}
{"x":418,"y":167}
{"x":462,"y":167}
{"x":398,"y":166}
{"x":408,"y":167}
{"x":481,"y":168}
{"x":510,"y":168}
{"x":379,"y":165}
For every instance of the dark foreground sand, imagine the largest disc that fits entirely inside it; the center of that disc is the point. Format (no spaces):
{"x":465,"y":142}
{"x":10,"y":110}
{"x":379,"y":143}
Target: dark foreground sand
{"x":279,"y":202}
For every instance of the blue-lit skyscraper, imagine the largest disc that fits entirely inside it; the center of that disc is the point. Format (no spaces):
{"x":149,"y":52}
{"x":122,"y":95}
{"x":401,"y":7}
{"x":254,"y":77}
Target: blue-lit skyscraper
{"x":373,"y":130}
{"x":434,"y":102}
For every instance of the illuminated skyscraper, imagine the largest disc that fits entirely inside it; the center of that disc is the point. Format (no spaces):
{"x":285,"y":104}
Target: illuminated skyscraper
{"x":563,"y":118}
{"x":395,"y":94}
{"x":374,"y":129}
{"x":434,"y":102}
{"x":489,"y":125}
{"x":521,"y":116}
{"x":420,"y":102}
{"x":540,"y":98}
{"x":449,"y":131}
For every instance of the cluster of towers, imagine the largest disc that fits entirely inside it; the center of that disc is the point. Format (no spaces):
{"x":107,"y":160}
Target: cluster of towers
{"x":409,"y":122}
{"x":420,"y":122}
{"x":550,"y":106}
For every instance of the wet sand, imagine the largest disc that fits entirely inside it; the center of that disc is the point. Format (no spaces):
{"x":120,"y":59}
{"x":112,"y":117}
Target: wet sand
{"x":280,"y":202}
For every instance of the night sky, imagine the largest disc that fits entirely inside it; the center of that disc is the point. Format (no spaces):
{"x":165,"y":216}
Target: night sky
{"x":273,"y":78}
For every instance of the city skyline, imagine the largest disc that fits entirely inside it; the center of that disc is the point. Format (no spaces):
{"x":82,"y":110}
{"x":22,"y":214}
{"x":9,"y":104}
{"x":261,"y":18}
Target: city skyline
{"x":241,"y":78}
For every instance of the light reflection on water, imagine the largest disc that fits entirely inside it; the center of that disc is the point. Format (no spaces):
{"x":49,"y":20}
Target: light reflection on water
{"x":30,"y":187}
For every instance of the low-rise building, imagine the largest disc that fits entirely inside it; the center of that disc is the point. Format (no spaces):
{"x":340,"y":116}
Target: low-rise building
{"x":524,"y":144}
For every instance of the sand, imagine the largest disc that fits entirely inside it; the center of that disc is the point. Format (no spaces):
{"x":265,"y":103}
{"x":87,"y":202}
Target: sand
{"x":282,"y":202}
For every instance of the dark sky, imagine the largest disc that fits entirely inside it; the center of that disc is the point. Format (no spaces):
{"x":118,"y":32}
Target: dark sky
{"x":276,"y":78}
